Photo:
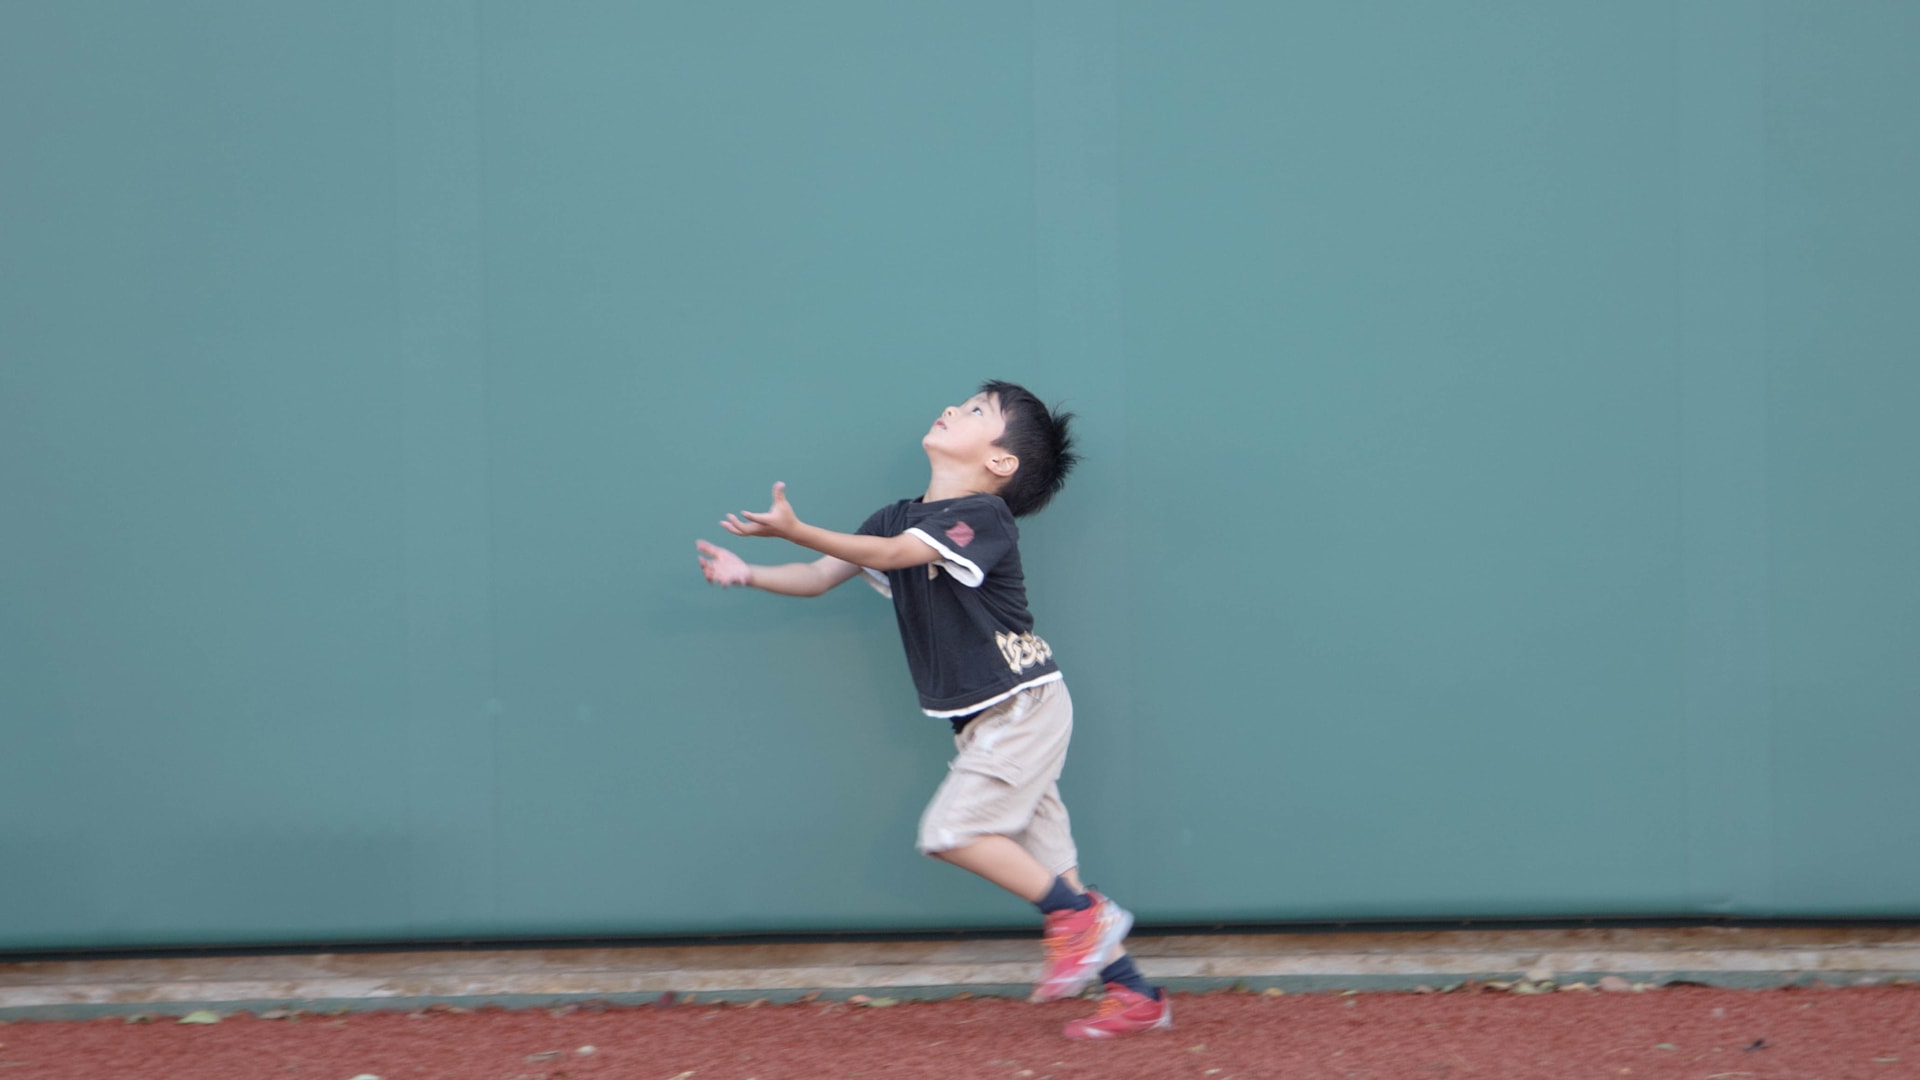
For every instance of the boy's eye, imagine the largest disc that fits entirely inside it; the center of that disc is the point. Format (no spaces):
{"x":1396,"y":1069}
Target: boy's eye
{"x":976,"y":408}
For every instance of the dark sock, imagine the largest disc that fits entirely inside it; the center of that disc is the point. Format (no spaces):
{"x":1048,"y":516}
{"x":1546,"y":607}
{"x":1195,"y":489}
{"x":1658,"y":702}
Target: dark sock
{"x":1123,"y":972}
{"x":1062,"y":898}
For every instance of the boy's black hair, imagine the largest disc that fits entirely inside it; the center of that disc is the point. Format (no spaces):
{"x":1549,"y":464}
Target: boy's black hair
{"x":1038,"y":436}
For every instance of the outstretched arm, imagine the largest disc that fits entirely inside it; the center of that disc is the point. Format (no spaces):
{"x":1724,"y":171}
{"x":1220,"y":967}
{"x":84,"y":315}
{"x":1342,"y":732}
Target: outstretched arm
{"x":725,"y":569}
{"x":876,"y":552}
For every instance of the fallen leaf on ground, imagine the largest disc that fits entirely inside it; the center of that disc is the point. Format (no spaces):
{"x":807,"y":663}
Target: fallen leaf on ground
{"x":201,"y":1016}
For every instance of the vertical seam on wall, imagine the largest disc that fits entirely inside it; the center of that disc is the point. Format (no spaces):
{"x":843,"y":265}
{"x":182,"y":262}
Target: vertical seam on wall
{"x":446,"y":473}
{"x":1721,"y":348}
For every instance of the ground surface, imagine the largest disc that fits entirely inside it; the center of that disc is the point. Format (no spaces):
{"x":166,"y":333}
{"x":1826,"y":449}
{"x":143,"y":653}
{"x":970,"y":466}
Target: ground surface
{"x":1675,"y":1032}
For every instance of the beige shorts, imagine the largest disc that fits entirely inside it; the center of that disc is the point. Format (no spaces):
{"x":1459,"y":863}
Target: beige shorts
{"x":1005,"y":780}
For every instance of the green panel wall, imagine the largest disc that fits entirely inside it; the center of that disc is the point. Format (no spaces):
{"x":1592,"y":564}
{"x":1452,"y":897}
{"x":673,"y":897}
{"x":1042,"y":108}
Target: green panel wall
{"x":1498,"y":500}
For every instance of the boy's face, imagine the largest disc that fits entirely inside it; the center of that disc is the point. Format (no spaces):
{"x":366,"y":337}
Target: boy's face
{"x":966,"y":432}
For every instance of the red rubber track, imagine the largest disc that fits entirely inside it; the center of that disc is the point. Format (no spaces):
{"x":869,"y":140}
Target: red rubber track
{"x":1697,"y":1033}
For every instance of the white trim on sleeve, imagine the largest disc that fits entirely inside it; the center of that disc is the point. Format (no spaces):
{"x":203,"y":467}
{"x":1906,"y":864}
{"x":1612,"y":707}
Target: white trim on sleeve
{"x":963,"y":571}
{"x":878,"y":580}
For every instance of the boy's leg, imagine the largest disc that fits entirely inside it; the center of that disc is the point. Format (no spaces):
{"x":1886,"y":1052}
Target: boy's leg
{"x":1023,"y":863}
{"x":998,"y":814}
{"x":1083,"y":933}
{"x":1006,"y":864}
{"x":1131,"y":1004}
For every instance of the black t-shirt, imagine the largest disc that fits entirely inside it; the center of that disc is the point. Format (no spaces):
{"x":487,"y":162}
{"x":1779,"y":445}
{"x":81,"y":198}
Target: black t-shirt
{"x":963,"y":620}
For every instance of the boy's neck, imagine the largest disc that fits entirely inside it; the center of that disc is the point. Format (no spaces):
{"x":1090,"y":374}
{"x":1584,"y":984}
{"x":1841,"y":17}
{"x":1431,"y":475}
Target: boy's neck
{"x":958,"y":482}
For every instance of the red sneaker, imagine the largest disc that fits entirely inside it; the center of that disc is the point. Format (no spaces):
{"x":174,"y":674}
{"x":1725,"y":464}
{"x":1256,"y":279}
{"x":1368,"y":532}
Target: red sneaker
{"x":1079,"y":944}
{"x":1123,"y":1012}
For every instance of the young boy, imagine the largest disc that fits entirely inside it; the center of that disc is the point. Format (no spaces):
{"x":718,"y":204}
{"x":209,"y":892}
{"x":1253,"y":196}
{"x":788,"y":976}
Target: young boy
{"x":950,"y":562}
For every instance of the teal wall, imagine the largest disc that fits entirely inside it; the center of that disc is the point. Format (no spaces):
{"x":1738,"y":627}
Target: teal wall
{"x":1499,"y":498}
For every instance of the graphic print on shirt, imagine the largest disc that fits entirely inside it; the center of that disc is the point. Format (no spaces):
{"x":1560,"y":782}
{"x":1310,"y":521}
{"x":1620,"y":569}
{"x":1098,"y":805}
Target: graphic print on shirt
{"x":961,"y":534}
{"x":1023,"y":650}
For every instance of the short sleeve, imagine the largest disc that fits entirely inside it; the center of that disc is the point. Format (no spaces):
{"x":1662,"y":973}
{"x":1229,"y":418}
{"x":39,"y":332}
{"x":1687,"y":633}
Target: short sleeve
{"x":876,"y":525}
{"x":972,"y":535}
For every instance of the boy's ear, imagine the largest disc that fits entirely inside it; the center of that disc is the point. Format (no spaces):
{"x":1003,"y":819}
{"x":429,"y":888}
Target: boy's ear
{"x":1003,"y":465}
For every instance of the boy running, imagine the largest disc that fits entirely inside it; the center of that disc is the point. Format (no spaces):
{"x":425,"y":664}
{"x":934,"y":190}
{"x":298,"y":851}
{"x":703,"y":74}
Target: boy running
{"x":950,"y":562}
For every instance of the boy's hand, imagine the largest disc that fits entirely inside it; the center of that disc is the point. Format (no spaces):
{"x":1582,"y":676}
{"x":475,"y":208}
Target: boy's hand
{"x":778,"y":521}
{"x":722,"y":567}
